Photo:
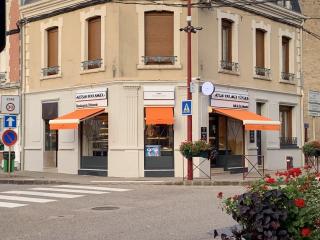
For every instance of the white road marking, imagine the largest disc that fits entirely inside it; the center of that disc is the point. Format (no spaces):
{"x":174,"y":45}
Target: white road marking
{"x":127,"y":181}
{"x":11,"y":205}
{"x":26,"y":199}
{"x":44,"y":194}
{"x":93,"y":188}
{"x":69,"y":190}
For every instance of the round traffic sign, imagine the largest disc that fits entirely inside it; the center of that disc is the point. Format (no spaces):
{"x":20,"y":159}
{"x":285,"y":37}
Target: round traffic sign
{"x":9,"y":138}
{"x":10,"y":107}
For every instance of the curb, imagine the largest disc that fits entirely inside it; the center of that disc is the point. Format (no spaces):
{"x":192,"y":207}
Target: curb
{"x":31,"y":182}
{"x":210,"y":183}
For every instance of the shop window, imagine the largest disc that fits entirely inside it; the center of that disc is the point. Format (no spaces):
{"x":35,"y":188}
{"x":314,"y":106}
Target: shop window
{"x":94,"y":142}
{"x":52,"y":52}
{"x":235,"y":137}
{"x":222,"y":133}
{"x":226,"y":44}
{"x":159,"y":140}
{"x":159,"y":41}
{"x":285,"y":117}
{"x":51,"y":138}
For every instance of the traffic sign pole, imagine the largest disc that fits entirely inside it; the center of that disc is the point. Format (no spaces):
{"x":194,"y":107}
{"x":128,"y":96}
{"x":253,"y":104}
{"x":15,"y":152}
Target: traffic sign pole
{"x":9,"y":163}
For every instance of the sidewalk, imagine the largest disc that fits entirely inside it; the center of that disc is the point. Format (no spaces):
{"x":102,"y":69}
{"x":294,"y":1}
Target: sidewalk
{"x":27,"y":177}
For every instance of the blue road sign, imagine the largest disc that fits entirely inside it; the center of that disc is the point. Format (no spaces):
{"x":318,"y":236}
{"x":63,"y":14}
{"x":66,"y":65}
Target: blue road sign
{"x":10,"y":121}
{"x":9,"y":138}
{"x":186,"y":107}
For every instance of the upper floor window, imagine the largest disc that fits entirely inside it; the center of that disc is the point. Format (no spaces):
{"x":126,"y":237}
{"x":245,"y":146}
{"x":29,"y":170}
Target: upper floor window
{"x":286,"y":58}
{"x":226,"y":48}
{"x":285,"y":3}
{"x":52,"y":52}
{"x":159,"y":37}
{"x":261,"y":69}
{"x":94,"y":59}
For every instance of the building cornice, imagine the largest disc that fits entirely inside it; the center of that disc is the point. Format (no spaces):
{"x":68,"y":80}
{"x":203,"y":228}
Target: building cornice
{"x":271,"y":11}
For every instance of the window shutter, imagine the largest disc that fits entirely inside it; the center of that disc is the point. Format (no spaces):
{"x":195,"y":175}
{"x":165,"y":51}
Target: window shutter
{"x":226,"y":40}
{"x":285,"y":54}
{"x":52,"y":47}
{"x":94,"y":38}
{"x":159,"y":38}
{"x":260,"y":48}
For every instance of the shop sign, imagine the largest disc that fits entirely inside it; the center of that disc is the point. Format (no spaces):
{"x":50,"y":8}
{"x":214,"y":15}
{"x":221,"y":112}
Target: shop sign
{"x":153,"y":150}
{"x":230,"y":98}
{"x":90,"y":98}
{"x":314,"y":103}
{"x":158,"y":95}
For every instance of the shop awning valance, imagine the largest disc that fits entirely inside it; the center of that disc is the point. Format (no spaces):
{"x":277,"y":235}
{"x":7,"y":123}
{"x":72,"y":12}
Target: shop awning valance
{"x":251,"y":121}
{"x":159,"y":115}
{"x":72,"y":120}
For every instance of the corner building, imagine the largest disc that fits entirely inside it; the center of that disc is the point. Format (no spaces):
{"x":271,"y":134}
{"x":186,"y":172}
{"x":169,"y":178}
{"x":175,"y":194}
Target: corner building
{"x":104,"y":82}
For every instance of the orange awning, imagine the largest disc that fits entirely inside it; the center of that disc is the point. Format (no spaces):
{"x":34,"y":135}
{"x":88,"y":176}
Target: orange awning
{"x":250,"y":120}
{"x":72,"y":120}
{"x":159,"y":115}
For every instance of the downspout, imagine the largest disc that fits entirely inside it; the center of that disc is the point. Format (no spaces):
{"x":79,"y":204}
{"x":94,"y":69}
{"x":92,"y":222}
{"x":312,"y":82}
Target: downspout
{"x":22,"y":95}
{"x":302,"y":95}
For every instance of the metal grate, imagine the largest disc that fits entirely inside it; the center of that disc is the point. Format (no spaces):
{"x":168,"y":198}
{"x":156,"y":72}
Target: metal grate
{"x":91,"y":64}
{"x":50,"y":71}
{"x":265,"y":72}
{"x":288,"y":76}
{"x":230,"y":66}
{"x":159,"y":59}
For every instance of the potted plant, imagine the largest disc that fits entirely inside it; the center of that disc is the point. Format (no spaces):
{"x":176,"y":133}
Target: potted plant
{"x":285,"y":207}
{"x":311,"y":149}
{"x":198,"y":148}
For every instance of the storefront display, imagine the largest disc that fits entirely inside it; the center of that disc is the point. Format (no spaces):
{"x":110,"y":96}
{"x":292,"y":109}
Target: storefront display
{"x":94,"y":143}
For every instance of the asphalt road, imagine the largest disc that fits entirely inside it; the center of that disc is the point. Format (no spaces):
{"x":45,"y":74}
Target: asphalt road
{"x":146,"y":212}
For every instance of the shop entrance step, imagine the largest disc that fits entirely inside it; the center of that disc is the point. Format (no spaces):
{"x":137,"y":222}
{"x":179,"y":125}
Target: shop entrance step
{"x":215,"y":171}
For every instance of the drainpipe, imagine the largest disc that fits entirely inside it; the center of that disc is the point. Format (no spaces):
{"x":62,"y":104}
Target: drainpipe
{"x":22,"y":97}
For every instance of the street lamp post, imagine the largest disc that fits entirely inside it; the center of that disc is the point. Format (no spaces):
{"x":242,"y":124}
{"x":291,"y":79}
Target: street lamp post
{"x":189,"y":29}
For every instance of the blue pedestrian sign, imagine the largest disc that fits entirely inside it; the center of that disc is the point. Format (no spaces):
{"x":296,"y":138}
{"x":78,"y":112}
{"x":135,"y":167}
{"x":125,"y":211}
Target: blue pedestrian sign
{"x":10,"y":121}
{"x":186,"y":107}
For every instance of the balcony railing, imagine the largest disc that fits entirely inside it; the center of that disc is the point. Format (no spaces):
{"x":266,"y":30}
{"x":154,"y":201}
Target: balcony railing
{"x":3,"y":76}
{"x":50,"y":71}
{"x":288,"y":76}
{"x":91,"y":64}
{"x":159,"y":60}
{"x":230,"y":66}
{"x":264,"y":72}
{"x":288,"y":142}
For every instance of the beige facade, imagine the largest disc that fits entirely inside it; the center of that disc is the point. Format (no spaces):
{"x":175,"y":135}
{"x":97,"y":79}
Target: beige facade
{"x":311,"y":72}
{"x":126,"y":76}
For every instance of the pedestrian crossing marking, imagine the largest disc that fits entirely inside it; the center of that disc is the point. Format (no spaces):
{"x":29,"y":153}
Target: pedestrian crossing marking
{"x":69,"y":190}
{"x":59,"y":191}
{"x":93,"y":188}
{"x":44,"y":194}
{"x":26,"y":199}
{"x":11,"y":205}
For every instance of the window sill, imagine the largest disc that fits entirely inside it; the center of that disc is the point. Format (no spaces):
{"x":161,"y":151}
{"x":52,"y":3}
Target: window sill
{"x":230,"y":72}
{"x":287,"y":82}
{"x":289,"y":146}
{"x":155,"y":67}
{"x":94,"y":70}
{"x":56,"y":76}
{"x":262,"y":78}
